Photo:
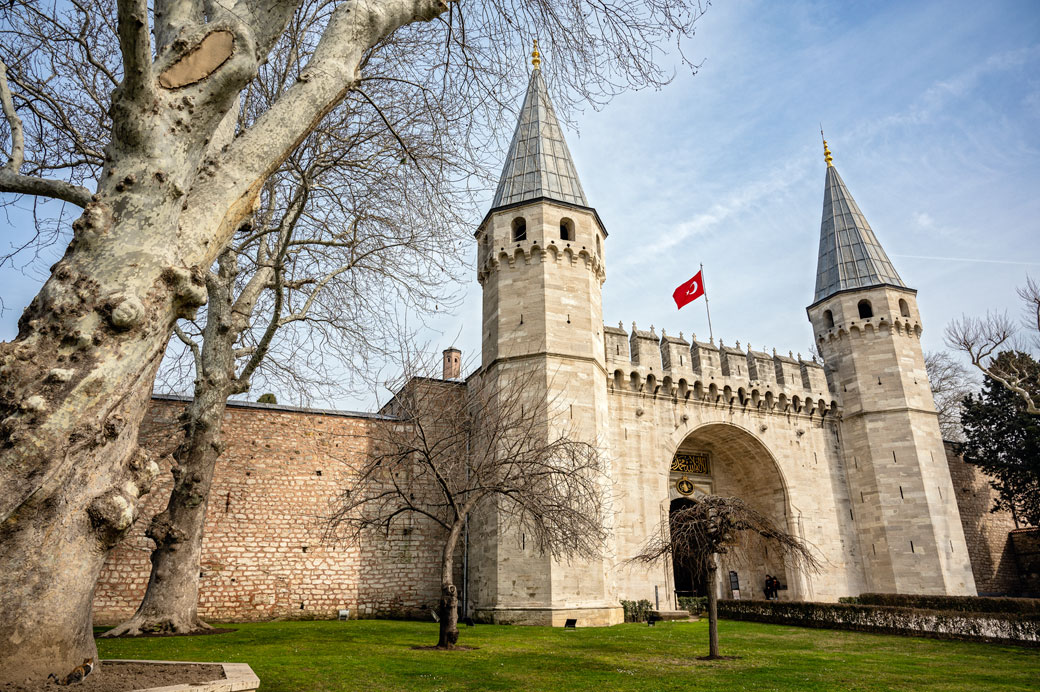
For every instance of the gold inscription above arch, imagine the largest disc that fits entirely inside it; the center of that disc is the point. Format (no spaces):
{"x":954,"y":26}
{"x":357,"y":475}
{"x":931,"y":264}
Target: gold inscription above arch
{"x":691,"y":462}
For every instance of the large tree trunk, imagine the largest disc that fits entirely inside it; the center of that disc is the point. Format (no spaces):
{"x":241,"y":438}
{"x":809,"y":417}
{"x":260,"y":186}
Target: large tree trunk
{"x":75,"y":383}
{"x":448,"y":607}
{"x":713,"y":610}
{"x":170,"y":604}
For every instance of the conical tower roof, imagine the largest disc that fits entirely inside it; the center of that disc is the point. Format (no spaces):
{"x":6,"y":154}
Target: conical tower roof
{"x":539,"y":163}
{"x":850,"y":254}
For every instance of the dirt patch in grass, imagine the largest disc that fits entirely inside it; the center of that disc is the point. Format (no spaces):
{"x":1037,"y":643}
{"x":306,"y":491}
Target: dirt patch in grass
{"x":458,"y":647}
{"x":124,"y":677}
{"x":213,"y":630}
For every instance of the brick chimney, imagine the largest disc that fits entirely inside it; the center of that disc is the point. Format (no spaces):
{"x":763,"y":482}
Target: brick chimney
{"x":452,"y":363}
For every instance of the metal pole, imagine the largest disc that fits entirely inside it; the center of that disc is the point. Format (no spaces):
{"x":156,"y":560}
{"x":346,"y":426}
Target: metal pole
{"x":711,"y":335}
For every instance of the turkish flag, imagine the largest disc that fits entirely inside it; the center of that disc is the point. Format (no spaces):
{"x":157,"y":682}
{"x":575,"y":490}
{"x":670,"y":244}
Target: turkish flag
{"x":689,"y":291}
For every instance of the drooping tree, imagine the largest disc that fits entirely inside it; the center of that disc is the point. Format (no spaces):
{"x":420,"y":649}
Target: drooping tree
{"x":696,"y":535}
{"x":1003,"y":439}
{"x":165,"y":181}
{"x":453,"y":450}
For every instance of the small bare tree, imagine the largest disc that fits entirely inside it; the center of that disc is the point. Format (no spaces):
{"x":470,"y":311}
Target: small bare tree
{"x":456,"y":449}
{"x":950,"y":383}
{"x":984,"y":338}
{"x":715,"y":525}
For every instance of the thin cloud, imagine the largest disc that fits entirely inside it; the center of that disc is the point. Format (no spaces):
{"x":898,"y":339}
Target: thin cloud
{"x":969,"y":259}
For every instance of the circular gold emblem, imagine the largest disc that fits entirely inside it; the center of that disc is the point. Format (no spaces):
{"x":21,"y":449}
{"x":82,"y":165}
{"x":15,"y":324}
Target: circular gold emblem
{"x":684,"y":486}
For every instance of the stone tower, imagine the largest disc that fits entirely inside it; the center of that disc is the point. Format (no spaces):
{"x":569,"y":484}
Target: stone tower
{"x":540,"y":265}
{"x":868,"y":329}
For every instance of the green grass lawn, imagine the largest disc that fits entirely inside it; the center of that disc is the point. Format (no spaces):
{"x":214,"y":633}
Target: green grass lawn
{"x":378,"y":655}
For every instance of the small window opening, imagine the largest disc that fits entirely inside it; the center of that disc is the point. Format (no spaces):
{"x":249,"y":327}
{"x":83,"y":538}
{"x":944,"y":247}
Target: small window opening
{"x":599,"y":252}
{"x":904,"y":309}
{"x":828,"y":319}
{"x":519,"y":229}
{"x":567,"y":230}
{"x":865,"y":310}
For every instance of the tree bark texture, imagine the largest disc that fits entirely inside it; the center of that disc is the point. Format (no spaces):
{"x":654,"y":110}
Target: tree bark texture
{"x":713,"y":610}
{"x":448,"y":607}
{"x":75,"y":383}
{"x":170,"y":603}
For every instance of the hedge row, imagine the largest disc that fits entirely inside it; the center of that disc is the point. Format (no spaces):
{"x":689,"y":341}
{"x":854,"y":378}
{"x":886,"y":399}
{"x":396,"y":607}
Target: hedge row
{"x":961,"y":604}
{"x":1008,"y":628}
{"x":637,"y":611}
{"x":694,"y":604}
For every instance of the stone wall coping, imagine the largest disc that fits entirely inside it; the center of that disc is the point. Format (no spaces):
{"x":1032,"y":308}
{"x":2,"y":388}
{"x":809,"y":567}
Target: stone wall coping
{"x":238,"y":677}
{"x":232,"y":403}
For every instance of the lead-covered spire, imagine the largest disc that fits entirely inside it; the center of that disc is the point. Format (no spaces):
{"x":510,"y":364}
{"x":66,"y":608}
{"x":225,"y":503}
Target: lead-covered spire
{"x":850,"y":254}
{"x":538,"y":163}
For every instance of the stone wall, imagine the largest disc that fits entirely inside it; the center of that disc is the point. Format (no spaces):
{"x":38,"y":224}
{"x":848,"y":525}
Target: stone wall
{"x":263,"y":555}
{"x":987,"y":533}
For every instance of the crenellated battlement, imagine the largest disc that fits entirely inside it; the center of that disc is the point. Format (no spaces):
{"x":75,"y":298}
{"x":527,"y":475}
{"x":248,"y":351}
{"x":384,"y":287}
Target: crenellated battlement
{"x":898,"y":326}
{"x":533,"y":251}
{"x":643,"y":363}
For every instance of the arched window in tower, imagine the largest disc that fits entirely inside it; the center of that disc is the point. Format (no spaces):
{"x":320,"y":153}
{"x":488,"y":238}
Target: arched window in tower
{"x":567,"y":230}
{"x":828,"y":319}
{"x":865,"y":310}
{"x":519,"y":229}
{"x":599,"y":252}
{"x":904,"y":309}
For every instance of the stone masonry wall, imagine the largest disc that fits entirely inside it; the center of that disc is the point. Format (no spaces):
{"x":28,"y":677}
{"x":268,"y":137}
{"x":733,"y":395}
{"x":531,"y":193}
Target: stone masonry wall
{"x":989,"y":545}
{"x":263,"y":555}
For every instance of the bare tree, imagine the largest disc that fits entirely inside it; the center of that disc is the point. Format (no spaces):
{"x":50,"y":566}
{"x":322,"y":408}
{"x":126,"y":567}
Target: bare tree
{"x":984,"y":338}
{"x":165,"y":182}
{"x":341,"y":225}
{"x":712,"y":526}
{"x":464,"y":447}
{"x":950,"y":383}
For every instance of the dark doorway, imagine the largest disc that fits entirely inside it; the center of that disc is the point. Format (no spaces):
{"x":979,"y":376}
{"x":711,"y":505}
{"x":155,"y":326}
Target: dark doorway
{"x":687,"y":582}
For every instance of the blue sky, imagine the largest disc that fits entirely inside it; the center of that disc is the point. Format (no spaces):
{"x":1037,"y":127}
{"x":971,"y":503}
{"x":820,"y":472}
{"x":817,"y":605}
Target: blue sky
{"x":932,"y":111}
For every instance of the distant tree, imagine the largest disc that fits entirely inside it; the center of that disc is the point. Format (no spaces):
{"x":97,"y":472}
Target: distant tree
{"x":267,"y":398}
{"x":950,"y":383}
{"x":1003,"y":439}
{"x":461,"y":449}
{"x":695,"y":535}
{"x":983,"y":339}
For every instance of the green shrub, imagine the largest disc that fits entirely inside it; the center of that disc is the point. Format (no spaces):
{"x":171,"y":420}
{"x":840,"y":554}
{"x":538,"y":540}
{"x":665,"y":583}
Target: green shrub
{"x":637,"y":611}
{"x":267,"y":398}
{"x":695,"y":604}
{"x":962,"y":604}
{"x":1012,"y":628}
{"x":849,"y":599}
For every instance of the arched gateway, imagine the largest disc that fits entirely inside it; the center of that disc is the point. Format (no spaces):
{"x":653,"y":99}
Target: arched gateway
{"x":727,"y":460}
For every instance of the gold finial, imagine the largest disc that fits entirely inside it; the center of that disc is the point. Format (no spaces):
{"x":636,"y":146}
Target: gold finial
{"x":826,"y":152}
{"x":536,"y":57}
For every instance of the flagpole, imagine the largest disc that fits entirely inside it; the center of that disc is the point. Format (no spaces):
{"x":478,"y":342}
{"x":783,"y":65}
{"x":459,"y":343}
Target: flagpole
{"x":711,"y":335}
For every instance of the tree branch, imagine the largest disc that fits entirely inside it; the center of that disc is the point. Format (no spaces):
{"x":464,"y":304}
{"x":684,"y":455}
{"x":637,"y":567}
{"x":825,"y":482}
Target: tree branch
{"x":136,"y":47}
{"x":10,"y":178}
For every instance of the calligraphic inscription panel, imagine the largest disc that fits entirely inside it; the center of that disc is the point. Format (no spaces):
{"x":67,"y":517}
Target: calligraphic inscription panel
{"x":685,"y":462}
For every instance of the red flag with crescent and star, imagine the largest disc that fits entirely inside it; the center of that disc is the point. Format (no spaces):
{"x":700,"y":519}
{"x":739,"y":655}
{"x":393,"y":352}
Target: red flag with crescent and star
{"x":689,"y":291}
